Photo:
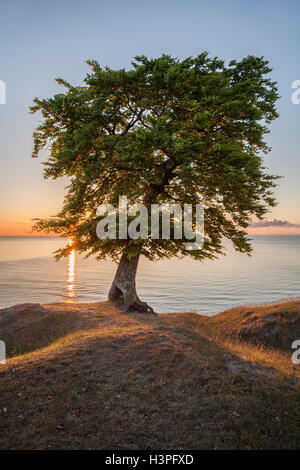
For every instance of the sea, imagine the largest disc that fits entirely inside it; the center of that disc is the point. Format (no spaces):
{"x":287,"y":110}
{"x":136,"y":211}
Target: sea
{"x":29,"y":273}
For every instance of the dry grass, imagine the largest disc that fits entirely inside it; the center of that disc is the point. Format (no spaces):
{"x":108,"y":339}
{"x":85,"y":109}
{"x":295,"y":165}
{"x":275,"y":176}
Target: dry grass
{"x":261,"y":335}
{"x":273,"y":325}
{"x":86,"y":376}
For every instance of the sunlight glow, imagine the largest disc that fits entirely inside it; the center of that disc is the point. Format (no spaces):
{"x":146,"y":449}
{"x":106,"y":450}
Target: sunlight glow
{"x":71,"y":274}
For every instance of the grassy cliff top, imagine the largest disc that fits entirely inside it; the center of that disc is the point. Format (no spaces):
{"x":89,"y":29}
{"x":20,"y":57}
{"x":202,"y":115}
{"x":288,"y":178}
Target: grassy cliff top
{"x":86,"y":376}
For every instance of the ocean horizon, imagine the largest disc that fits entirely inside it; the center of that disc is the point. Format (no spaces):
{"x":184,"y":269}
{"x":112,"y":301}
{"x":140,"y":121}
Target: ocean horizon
{"x":29,"y":273}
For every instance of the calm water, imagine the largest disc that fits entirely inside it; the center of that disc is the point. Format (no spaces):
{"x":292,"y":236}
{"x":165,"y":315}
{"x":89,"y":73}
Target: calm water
{"x":28,"y":273}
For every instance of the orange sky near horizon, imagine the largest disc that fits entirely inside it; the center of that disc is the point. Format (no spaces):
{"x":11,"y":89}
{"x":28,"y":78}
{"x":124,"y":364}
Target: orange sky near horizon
{"x":15,"y":228}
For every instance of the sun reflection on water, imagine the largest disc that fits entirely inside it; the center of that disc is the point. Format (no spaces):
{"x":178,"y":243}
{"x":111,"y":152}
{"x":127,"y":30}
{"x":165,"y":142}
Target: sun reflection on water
{"x":71,"y":294}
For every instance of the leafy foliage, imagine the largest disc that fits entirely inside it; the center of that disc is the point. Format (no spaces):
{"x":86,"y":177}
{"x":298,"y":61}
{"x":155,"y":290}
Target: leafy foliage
{"x":166,"y":130}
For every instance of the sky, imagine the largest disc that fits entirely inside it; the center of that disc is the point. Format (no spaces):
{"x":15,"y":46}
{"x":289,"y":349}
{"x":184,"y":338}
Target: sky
{"x":40,"y":41}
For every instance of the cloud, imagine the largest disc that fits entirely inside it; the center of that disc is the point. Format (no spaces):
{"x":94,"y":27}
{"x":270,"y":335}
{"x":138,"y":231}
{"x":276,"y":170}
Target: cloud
{"x":37,"y":219}
{"x":273,"y":223}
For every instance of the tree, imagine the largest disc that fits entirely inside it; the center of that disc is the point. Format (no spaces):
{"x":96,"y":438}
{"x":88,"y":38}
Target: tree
{"x":165,"y":131}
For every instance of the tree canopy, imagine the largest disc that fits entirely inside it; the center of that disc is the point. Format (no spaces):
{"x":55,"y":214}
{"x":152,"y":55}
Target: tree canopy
{"x":166,"y":130}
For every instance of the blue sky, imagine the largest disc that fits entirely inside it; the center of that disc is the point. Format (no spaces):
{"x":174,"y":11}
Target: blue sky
{"x":40,"y":41}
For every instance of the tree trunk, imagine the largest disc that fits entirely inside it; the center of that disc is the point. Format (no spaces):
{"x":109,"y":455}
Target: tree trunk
{"x":123,"y":289}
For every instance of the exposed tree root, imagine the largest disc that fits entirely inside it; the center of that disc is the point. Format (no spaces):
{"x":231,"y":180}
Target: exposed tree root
{"x":123,"y":290}
{"x":140,"y":306}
